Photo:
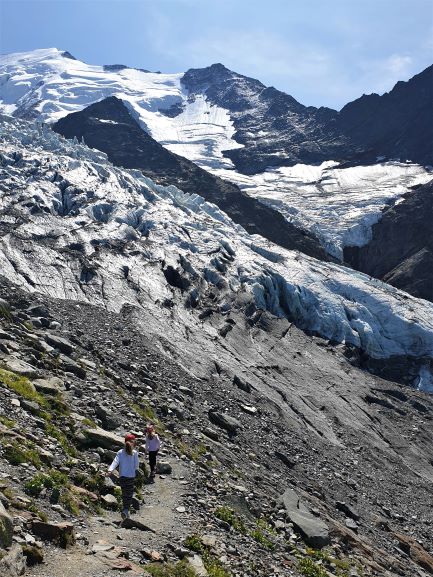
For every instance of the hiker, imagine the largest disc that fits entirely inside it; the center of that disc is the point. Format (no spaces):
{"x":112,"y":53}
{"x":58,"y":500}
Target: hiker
{"x":127,"y":461}
{"x":153,"y":445}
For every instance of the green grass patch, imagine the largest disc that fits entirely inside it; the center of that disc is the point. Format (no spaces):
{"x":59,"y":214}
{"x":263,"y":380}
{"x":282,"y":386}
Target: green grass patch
{"x":48,"y":480}
{"x":213,"y":566}
{"x":89,"y":423}
{"x":146,"y":411}
{"x":193,"y":453}
{"x":262,"y":539}
{"x":62,"y":439}
{"x":229,"y":516}
{"x":21,"y":386}
{"x":309,"y":568}
{"x":5,"y":313}
{"x":35,"y":485}
{"x":41,"y":514}
{"x":17,"y":453}
{"x":9,"y":423}
{"x":180,"y":569}
{"x":8,"y":493}
{"x":193,"y":543}
{"x":69,"y":501}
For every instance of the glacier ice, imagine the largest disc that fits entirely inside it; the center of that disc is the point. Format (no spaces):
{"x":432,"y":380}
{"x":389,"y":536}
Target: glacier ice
{"x":120,"y":218}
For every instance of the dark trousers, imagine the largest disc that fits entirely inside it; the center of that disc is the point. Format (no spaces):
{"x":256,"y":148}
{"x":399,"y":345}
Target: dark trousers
{"x":127,"y":486}
{"x":152,"y":461}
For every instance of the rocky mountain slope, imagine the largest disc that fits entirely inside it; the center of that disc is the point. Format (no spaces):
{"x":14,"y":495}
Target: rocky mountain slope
{"x":292,"y":419}
{"x":293,"y":445}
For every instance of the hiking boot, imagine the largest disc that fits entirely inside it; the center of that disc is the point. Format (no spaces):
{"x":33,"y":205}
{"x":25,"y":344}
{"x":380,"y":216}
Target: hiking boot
{"x":124,"y":514}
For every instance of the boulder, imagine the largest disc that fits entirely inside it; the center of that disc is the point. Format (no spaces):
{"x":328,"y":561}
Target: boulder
{"x":164,"y":468}
{"x":62,"y":534}
{"x":6,"y":528}
{"x":347,"y":510}
{"x":68,"y":365}
{"x":20,"y":367}
{"x":51,"y":386}
{"x":60,"y":344}
{"x":100,"y":438}
{"x":13,"y":563}
{"x":211,"y":433}
{"x":230,"y":424}
{"x":33,"y":554}
{"x":109,"y":501}
{"x":108,"y":418}
{"x":314,"y":531}
{"x":38,"y":311}
{"x":197,"y":565}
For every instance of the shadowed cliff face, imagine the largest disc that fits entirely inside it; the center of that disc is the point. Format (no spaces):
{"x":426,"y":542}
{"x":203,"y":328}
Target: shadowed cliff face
{"x":401,"y":250}
{"x":109,"y":127}
{"x":396,"y":124}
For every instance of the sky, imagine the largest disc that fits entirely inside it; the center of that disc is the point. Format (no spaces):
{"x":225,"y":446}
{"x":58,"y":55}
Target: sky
{"x":322,"y":52}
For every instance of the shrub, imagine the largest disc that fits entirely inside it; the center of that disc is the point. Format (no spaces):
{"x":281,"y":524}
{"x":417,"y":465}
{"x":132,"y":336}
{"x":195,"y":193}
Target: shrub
{"x":308,"y":568}
{"x":35,"y":485}
{"x":261,"y":538}
{"x":193,"y":543}
{"x":228,"y":515}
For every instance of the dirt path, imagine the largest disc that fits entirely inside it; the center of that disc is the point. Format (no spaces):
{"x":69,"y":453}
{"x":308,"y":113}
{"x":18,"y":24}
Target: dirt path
{"x":158,"y":513}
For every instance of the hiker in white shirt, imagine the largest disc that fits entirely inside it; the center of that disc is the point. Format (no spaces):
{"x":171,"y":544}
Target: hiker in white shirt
{"x":153,"y":444}
{"x":127,"y":461}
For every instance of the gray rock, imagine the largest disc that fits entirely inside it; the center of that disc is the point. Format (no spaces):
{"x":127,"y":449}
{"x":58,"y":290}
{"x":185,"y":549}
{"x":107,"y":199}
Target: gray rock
{"x":109,"y":501}
{"x":30,"y":406}
{"x":100,"y":438}
{"x":51,"y":386}
{"x":108,"y":418}
{"x":13,"y":563}
{"x":197,"y":565}
{"x":211,"y":433}
{"x":20,"y":367}
{"x":68,"y":365}
{"x":62,"y":534}
{"x":60,"y":344}
{"x":224,"y":421}
{"x":38,"y":311}
{"x":209,"y":540}
{"x":133,"y":523}
{"x":102,"y":547}
{"x":6,"y":528}
{"x":347,"y":510}
{"x":314,"y":531}
{"x":164,"y":468}
{"x":351,"y":524}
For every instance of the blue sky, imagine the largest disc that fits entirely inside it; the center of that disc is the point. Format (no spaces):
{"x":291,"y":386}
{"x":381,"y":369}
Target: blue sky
{"x":323,"y":52}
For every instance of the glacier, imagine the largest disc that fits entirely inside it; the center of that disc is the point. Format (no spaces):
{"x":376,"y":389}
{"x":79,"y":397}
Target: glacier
{"x":75,"y":227}
{"x":339,"y":205}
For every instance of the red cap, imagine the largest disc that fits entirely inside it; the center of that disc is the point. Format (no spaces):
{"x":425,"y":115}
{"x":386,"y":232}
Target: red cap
{"x":129,"y":437}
